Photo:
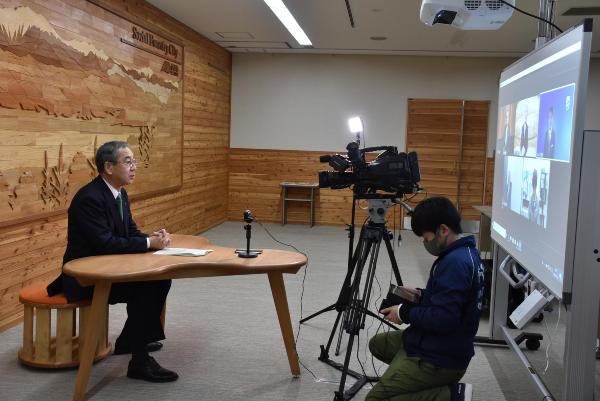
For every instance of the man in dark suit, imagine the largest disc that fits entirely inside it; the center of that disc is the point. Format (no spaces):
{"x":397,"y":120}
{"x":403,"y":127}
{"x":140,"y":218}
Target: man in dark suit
{"x":524,"y":136}
{"x":509,"y":135}
{"x":100,"y":223}
{"x":550,"y":137}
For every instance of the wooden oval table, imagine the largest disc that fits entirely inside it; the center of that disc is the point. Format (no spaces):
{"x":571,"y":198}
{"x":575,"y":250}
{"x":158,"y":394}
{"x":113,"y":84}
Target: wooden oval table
{"x":102,"y":271}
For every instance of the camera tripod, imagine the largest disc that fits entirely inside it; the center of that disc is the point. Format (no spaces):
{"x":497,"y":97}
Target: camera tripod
{"x":351,"y":305}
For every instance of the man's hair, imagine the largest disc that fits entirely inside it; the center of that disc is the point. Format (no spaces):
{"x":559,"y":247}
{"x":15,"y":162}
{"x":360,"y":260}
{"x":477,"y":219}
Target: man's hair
{"x":108,"y":153}
{"x":430,"y":213}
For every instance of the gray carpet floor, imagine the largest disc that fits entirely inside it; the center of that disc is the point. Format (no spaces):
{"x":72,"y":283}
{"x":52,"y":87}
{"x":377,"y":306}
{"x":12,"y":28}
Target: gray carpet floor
{"x":223,"y":337}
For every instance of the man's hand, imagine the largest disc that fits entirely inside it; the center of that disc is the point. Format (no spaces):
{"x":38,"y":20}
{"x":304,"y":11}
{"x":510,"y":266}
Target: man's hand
{"x":391,"y":314}
{"x":412,"y":294}
{"x":160,"y":239}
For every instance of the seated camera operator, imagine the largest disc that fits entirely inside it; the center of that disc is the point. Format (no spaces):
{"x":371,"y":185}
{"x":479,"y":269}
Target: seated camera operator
{"x":427,"y":359}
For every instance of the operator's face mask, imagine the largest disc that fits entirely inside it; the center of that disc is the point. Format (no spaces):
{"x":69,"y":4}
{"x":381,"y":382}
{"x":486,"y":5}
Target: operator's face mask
{"x":436,"y":245}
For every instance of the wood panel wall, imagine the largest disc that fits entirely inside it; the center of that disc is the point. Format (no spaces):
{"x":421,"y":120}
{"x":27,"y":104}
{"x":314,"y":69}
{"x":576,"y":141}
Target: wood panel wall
{"x":254,"y":178}
{"x":32,"y":251}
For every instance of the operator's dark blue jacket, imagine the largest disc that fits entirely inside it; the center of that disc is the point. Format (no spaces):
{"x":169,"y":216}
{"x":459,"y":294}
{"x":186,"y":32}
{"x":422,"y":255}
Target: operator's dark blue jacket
{"x":443,"y":325}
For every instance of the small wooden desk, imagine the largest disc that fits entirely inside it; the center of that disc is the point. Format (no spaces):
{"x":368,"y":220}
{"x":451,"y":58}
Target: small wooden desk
{"x":102,"y":271}
{"x":284,"y":198}
{"x":484,"y":242}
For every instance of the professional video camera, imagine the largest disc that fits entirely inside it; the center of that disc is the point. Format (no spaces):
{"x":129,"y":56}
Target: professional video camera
{"x":390,"y":171}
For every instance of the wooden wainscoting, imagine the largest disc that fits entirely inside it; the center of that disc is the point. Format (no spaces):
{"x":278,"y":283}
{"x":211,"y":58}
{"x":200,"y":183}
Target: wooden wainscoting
{"x":254,"y":178}
{"x":32,"y":251}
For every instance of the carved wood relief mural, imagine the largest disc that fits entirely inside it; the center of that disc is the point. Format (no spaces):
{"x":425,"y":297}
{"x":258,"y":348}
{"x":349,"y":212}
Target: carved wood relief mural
{"x":73,"y":76}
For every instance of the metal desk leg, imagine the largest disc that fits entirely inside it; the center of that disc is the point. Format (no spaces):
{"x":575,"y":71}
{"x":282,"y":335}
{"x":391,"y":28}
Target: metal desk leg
{"x":312,"y":207}
{"x":283,"y":210}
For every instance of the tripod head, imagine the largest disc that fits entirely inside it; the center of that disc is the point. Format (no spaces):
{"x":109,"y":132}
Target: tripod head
{"x":379,"y":205}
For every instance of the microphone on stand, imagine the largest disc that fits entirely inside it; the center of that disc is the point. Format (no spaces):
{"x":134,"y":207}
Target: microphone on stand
{"x":248,"y":253}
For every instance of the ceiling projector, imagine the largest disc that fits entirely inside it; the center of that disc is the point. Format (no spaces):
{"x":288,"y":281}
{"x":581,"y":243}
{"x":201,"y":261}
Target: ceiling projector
{"x":466,"y":14}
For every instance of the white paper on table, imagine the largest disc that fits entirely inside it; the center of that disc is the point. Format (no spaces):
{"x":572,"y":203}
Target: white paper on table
{"x":183,"y":252}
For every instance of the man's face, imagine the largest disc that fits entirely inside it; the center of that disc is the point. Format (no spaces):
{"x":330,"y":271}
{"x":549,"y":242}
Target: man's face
{"x":123,"y":171}
{"x":436,"y":242}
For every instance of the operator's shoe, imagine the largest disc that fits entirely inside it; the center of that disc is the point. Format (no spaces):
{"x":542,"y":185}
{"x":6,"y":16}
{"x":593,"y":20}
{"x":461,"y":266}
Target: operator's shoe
{"x":461,"y":392}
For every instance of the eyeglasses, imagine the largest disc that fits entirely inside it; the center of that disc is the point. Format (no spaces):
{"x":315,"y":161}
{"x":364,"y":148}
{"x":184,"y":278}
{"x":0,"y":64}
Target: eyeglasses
{"x":129,"y":162}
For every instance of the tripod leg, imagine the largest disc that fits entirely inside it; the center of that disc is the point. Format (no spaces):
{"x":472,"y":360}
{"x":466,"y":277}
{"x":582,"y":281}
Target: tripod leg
{"x":325,"y":351}
{"x":326,"y":309}
{"x":358,"y":262}
{"x":342,"y":296}
{"x":339,"y":395}
{"x":390,"y":250}
{"x":369,"y":281}
{"x":340,"y":335}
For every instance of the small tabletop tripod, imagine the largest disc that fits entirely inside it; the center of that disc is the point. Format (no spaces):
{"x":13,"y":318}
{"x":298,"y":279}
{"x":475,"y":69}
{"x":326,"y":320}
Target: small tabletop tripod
{"x":351,"y":305}
{"x":248,"y":253}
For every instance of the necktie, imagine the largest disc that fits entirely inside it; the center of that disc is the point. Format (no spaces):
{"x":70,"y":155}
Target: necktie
{"x":120,"y":205}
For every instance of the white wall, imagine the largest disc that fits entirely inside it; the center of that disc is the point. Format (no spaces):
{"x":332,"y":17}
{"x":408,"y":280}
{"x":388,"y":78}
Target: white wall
{"x":302,"y":102}
{"x":592,"y":117}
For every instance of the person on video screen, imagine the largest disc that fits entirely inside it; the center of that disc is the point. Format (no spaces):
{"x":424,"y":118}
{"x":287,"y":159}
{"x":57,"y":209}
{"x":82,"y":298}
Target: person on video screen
{"x":550,"y":136}
{"x":524,"y":135}
{"x":427,"y":359}
{"x":509,"y":137}
{"x":507,"y":190}
{"x":534,"y":203}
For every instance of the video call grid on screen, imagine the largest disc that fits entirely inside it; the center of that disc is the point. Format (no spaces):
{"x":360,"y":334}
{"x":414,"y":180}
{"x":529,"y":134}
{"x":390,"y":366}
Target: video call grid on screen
{"x":536,"y":113}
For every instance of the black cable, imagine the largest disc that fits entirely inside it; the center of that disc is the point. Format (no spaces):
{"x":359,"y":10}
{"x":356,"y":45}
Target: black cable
{"x":301,"y":295}
{"x":532,"y":15}
{"x":552,"y":12}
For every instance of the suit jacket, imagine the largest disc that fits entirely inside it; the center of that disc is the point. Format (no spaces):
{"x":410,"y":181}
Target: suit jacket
{"x":509,"y":141}
{"x":549,"y":143}
{"x":524,"y":138}
{"x":95,"y":228}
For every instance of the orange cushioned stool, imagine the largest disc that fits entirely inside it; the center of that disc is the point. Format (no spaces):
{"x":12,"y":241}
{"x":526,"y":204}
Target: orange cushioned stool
{"x":43,"y":350}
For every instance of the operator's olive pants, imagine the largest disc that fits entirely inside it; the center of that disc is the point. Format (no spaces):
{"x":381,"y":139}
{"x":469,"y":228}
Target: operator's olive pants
{"x":408,"y":378}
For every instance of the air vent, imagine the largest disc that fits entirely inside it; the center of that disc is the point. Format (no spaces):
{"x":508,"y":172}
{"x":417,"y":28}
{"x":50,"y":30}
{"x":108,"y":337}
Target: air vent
{"x":493,"y":4}
{"x":247,"y":44}
{"x":235,"y":35}
{"x":472,"y":4}
{"x":582,"y":11}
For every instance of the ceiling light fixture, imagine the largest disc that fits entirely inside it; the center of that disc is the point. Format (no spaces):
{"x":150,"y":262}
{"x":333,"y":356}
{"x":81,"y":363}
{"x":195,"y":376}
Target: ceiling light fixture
{"x":288,"y":20}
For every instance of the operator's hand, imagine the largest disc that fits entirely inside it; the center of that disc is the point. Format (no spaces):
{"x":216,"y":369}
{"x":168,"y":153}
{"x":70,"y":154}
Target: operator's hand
{"x":392,"y":314}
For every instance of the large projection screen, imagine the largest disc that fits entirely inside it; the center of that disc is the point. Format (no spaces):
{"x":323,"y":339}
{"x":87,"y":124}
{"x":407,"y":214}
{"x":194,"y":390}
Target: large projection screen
{"x":541,"y":109}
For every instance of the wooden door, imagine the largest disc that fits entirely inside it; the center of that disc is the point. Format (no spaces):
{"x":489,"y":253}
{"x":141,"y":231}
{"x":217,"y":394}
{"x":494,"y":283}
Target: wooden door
{"x":450,"y":138}
{"x":472,"y":178}
{"x":434,"y":131}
